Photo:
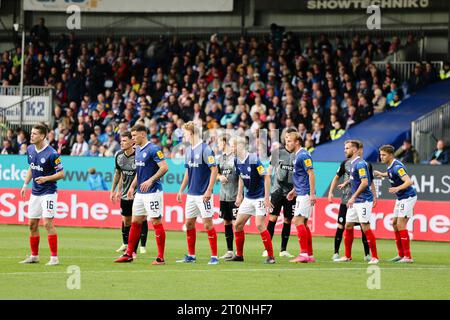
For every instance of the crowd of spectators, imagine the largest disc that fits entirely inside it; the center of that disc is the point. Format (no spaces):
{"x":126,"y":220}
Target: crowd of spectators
{"x":101,"y":89}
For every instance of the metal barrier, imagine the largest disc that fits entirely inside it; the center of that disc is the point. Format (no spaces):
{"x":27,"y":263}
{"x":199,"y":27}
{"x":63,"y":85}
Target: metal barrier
{"x":429,"y":128}
{"x":37,"y":106}
{"x":405,"y":68}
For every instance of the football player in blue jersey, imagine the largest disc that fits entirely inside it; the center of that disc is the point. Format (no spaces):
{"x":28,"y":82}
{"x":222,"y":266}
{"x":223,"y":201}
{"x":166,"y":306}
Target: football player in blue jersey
{"x":45,"y":169}
{"x":401,"y":186}
{"x":304,"y":192}
{"x":360,"y":203}
{"x":200,"y":176}
{"x":148,"y":201}
{"x":256,"y":201}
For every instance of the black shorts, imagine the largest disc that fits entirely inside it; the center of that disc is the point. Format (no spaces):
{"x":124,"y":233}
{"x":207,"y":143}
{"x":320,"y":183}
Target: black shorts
{"x":127,"y":207}
{"x":279,"y":201}
{"x":342,"y":214}
{"x":228,"y":210}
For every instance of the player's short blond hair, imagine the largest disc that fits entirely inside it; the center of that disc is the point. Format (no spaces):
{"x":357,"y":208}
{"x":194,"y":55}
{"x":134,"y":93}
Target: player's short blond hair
{"x":190,"y":126}
{"x":238,"y":140}
{"x":294,"y":135}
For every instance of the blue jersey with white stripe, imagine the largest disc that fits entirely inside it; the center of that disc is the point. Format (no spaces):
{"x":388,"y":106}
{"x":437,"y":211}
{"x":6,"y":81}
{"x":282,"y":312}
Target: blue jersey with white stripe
{"x":146,"y":160}
{"x":302,"y":163}
{"x":252,"y":172}
{"x":396,"y":171}
{"x":199,"y":160}
{"x":360,"y":170}
{"x":43,"y":163}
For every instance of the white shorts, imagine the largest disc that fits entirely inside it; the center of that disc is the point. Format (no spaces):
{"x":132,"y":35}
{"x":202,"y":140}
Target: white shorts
{"x":404,"y":208}
{"x":254,"y":207}
{"x":360,"y":212}
{"x":195,"y":206}
{"x":42,"y":206}
{"x":303,"y":206}
{"x":148,"y":204}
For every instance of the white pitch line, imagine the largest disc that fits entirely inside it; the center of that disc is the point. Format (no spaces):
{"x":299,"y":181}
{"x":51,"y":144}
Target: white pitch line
{"x":220,"y":270}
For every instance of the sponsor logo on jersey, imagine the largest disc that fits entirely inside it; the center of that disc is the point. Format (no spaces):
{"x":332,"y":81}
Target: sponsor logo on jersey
{"x":128,"y":172}
{"x":37,"y":168}
{"x":287,"y":167}
{"x":193,"y":164}
{"x":226,"y":172}
{"x":245,"y":176}
{"x":140,"y":164}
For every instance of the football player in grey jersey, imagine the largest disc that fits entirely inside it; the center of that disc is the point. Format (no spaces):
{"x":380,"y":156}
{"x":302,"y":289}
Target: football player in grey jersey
{"x":281,"y":165}
{"x":124,"y":174}
{"x":228,"y":179}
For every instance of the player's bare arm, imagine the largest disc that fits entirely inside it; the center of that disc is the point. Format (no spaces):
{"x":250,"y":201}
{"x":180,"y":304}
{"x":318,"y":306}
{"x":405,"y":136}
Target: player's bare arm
{"x":163,"y":168}
{"x":212,"y":179}
{"x":183,"y":185}
{"x":291,"y":195}
{"x":333,"y":186}
{"x":379,"y":174}
{"x":362,"y":186}
{"x":344,"y":184}
{"x":312,"y":183}
{"x":407,"y":182}
{"x":374,"y":192}
{"x":54,"y":177}
{"x":26,"y":182}
{"x":130,"y":193}
{"x":267,"y":203}
{"x":116,"y":179}
{"x":240,"y":195}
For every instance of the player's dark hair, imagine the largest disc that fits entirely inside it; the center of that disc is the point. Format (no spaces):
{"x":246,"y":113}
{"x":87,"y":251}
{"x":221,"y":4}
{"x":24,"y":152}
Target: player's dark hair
{"x":139,"y":128}
{"x":360,"y":144}
{"x":126,"y":134}
{"x":387,"y":148}
{"x":42,"y":128}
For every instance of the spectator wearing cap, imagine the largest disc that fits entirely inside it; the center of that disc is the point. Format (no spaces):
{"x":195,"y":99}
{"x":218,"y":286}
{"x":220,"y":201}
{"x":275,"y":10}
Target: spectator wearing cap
{"x":407,"y":153}
{"x":440,"y":154}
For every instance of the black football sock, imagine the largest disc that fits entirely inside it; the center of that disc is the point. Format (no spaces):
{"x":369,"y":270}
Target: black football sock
{"x":285,"y":235}
{"x":271,"y":227}
{"x":125,"y":233}
{"x":365,"y":244}
{"x":338,"y":239}
{"x":229,"y":236}
{"x":144,"y":233}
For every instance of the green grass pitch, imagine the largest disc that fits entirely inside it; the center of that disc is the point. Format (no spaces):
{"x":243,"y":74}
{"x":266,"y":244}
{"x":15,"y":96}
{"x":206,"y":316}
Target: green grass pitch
{"x":92,"y":250}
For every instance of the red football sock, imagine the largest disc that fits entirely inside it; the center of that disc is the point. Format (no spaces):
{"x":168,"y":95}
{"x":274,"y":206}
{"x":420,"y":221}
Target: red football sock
{"x":191,"y":237}
{"x":398,"y":243}
{"x":348,"y":241}
{"x":34,"y":244}
{"x":160,"y":235}
{"x":53,"y":244}
{"x":310,"y":246}
{"x":212,"y":237}
{"x":133,"y":237}
{"x":405,"y":243}
{"x":240,"y":239}
{"x":267,"y":241}
{"x":302,"y":238}
{"x":372,"y":243}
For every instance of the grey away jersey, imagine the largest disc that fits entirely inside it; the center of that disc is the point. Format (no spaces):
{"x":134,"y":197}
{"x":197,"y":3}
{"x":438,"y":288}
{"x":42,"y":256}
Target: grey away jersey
{"x":283,"y":166}
{"x":228,"y":191}
{"x":344,"y":171}
{"x":125,"y":164}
